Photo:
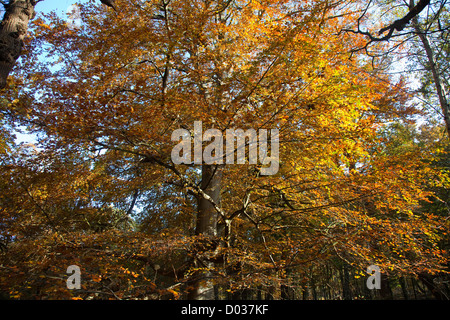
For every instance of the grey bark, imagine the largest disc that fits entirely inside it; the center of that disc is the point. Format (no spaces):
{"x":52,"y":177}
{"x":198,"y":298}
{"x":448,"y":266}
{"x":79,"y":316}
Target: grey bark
{"x":206,"y":226}
{"x":13,"y":29}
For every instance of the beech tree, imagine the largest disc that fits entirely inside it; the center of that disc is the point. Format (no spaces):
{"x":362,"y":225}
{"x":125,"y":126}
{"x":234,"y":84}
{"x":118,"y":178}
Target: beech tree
{"x":102,"y":191}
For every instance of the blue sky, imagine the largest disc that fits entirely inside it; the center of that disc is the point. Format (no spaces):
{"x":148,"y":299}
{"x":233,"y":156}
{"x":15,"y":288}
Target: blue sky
{"x":60,"y":6}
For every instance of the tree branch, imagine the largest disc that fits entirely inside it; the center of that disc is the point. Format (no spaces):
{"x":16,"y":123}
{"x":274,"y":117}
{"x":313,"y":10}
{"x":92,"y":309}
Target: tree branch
{"x":397,"y":25}
{"x":400,"y":24}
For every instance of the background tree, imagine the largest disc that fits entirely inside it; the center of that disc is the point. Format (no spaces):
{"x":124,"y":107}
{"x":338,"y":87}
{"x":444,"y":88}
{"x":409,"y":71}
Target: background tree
{"x":422,"y":28}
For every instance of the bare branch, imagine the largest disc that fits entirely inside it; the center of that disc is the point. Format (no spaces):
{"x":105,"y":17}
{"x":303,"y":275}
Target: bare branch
{"x":400,"y":24}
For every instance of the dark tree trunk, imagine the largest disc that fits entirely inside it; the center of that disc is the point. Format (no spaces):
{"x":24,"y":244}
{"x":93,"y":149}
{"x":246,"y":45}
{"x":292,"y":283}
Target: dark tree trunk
{"x":404,"y":289}
{"x":427,"y":280}
{"x":386,"y":291}
{"x":345,"y":280}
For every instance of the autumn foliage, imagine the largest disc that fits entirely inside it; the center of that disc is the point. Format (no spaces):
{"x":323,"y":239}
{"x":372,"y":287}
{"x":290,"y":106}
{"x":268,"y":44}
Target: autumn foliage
{"x":99,"y":189}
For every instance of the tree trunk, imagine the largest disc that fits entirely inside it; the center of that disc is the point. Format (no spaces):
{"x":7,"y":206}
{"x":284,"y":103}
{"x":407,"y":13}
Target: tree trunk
{"x":13,"y":29}
{"x":413,"y":284}
{"x":207,"y":216}
{"x":427,"y":280}
{"x":345,"y":280}
{"x":404,"y":288}
{"x":445,"y":108}
{"x":386,"y":291}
